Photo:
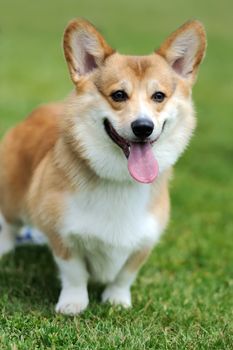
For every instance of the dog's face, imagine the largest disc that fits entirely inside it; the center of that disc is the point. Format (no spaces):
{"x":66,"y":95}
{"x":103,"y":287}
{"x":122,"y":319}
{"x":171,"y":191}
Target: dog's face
{"x":131,"y":114}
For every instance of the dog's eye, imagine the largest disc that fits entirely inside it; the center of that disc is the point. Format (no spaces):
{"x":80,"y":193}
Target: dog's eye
{"x":119,"y":96}
{"x":158,"y":96}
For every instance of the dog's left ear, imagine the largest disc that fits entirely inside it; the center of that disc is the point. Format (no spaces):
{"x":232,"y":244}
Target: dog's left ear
{"x":185,"y":48}
{"x":84,"y":47}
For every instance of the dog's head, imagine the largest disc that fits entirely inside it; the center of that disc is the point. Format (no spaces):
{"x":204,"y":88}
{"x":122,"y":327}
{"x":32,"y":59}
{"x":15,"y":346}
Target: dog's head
{"x":131,"y":114}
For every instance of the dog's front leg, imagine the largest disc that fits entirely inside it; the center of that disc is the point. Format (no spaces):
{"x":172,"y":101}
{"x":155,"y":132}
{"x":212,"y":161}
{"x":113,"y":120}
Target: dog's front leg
{"x":118,"y":292}
{"x":73,"y":298}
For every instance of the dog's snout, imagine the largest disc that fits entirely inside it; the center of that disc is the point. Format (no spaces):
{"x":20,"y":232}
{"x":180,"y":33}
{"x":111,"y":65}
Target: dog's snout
{"x":142,"y":128}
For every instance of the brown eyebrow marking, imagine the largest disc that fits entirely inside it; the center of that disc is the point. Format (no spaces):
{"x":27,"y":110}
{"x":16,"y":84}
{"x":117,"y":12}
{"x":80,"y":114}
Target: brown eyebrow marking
{"x":139,"y":65}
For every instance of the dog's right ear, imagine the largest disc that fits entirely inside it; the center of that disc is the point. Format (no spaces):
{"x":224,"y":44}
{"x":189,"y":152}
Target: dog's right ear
{"x":84,"y":47}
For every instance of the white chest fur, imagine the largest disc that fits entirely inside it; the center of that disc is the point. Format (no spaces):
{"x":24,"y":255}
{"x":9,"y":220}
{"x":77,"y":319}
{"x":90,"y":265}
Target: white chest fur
{"x":116,"y":214}
{"x":109,"y":223}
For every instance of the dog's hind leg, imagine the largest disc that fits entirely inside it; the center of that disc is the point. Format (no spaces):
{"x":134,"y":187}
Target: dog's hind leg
{"x":7,"y":236}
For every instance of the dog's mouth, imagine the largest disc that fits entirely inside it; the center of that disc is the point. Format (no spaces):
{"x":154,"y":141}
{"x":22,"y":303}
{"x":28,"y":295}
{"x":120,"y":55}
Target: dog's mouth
{"x":142,"y":164}
{"x":119,"y":140}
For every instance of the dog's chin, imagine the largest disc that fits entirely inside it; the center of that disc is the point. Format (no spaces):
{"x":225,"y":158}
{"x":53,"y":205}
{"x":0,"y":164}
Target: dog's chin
{"x":109,"y":163}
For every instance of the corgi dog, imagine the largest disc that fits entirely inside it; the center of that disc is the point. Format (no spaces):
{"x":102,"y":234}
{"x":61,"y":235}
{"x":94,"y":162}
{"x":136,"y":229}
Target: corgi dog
{"x":92,"y":172}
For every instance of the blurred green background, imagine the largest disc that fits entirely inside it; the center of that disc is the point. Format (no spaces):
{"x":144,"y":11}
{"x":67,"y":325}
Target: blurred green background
{"x":183,"y":297}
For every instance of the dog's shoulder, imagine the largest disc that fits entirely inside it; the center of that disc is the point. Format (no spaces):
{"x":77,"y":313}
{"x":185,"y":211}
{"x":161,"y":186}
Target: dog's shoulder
{"x":29,"y":141}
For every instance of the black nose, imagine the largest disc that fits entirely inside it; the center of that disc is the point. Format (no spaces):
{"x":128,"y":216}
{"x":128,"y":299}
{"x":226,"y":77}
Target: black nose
{"x":142,"y":128}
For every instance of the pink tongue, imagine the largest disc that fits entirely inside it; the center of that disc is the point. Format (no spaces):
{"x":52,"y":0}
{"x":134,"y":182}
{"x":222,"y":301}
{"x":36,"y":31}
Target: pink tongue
{"x":142,"y":164}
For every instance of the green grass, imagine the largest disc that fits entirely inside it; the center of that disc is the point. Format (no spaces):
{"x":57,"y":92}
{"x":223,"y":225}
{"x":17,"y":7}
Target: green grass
{"x":183,"y":298}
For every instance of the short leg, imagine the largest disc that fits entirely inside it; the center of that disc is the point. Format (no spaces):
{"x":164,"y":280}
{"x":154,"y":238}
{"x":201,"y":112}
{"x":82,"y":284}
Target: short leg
{"x":73,"y":298}
{"x":118,"y":292}
{"x":7,"y":237}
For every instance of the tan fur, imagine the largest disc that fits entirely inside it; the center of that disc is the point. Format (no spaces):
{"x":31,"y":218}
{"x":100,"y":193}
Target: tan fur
{"x":137,"y":260}
{"x":80,"y":26}
{"x":197,"y":27}
{"x":160,"y":203}
{"x":21,"y":151}
{"x":138,"y":71}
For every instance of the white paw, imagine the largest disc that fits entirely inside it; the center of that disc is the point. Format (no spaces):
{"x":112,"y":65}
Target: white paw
{"x":72,"y":302}
{"x":117,"y":296}
{"x":71,"y":308}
